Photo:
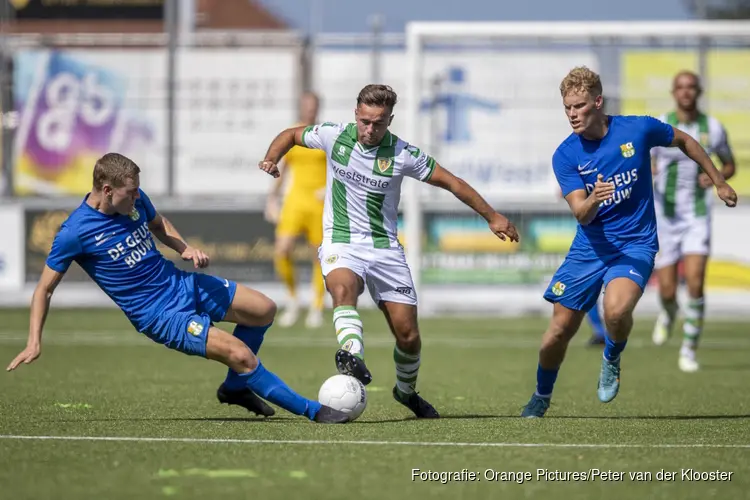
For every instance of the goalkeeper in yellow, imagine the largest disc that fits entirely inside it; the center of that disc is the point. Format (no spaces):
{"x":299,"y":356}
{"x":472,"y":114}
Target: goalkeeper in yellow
{"x":301,"y":213}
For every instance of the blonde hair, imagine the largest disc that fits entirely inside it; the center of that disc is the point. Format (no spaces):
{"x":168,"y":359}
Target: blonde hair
{"x":579,"y":80}
{"x":114,"y":169}
{"x":691,"y":74}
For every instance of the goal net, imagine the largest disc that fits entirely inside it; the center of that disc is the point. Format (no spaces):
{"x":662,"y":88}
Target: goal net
{"x":483,"y":99}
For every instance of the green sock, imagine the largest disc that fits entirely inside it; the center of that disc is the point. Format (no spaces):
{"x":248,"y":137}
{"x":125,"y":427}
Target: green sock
{"x":693,"y":326}
{"x":348,"y":327}
{"x":407,"y":369}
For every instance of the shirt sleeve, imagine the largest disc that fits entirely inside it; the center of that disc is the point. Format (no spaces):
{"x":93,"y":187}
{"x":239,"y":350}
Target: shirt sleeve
{"x":723,"y":149}
{"x":566,"y":173}
{"x":320,"y":136}
{"x":65,"y":249}
{"x":658,"y":133}
{"x":418,"y":164}
{"x":147,"y":206}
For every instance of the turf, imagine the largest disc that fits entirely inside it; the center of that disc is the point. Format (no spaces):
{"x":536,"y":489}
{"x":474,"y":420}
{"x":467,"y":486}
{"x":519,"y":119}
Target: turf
{"x":99,"y":378}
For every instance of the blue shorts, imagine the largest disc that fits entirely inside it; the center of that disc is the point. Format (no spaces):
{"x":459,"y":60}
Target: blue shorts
{"x":199,"y":301}
{"x":579,"y":281}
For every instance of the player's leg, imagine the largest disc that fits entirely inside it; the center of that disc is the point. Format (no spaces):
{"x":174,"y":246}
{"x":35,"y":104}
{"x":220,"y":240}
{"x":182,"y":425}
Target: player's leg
{"x":344,"y":274}
{"x":670,"y":251}
{"x":390,"y":284}
{"x":695,"y":275}
{"x":574,"y":289}
{"x":599,"y":332}
{"x":696,"y":248}
{"x":563,"y":326}
{"x":229,"y":350}
{"x":252,"y":312}
{"x":291,"y":222}
{"x":624,"y":283}
{"x":314,"y":231}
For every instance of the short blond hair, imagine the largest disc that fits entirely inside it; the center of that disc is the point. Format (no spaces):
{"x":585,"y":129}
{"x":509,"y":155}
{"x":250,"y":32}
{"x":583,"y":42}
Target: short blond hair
{"x":581,"y":80}
{"x":114,"y":169}
{"x":687,"y":72}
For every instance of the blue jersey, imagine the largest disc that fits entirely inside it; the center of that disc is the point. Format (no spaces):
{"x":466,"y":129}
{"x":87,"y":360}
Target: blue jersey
{"x":119,"y":254}
{"x":628,"y":219}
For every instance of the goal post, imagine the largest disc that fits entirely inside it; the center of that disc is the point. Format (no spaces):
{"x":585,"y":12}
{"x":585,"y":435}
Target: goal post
{"x":509,"y":72}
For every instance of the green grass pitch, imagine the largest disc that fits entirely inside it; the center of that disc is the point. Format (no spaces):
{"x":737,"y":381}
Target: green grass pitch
{"x":140,"y":421}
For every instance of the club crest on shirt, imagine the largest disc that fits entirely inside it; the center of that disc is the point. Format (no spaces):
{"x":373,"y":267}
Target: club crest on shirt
{"x":384,"y":164}
{"x":134,"y":215}
{"x":627,"y":149}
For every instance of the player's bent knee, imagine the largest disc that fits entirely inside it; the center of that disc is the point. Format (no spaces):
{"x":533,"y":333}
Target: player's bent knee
{"x":409,"y":340}
{"x":343,"y":293}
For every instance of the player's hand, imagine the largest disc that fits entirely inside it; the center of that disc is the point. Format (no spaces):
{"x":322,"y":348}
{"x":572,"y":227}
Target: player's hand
{"x":26,"y":356}
{"x":705,"y":181}
{"x":199,"y":258}
{"x":727,"y":194}
{"x":603,"y":191}
{"x":271,"y":212}
{"x":503,"y":228}
{"x":270,"y":168}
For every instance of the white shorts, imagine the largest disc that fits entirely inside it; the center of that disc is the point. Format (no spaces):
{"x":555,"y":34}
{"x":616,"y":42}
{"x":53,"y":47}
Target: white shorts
{"x":384,"y":270}
{"x":680,"y":237}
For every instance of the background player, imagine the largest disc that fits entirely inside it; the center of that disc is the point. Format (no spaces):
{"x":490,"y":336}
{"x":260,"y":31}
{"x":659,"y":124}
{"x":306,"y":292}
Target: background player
{"x":366,"y":165}
{"x":604,"y":171}
{"x":110,"y":236}
{"x":301,"y":213}
{"x":683,"y":213}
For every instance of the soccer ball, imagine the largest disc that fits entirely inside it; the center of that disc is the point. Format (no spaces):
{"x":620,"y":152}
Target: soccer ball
{"x":344,"y":393}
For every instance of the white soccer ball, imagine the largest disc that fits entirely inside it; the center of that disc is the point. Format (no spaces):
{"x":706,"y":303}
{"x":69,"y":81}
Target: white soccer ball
{"x":344,"y":393}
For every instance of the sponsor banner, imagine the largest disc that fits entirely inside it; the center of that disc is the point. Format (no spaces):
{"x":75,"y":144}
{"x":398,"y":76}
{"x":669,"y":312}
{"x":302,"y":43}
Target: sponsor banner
{"x":460,"y":249}
{"x":240,"y":244}
{"x":495,"y":118}
{"x":647,"y":83}
{"x":11,"y":247}
{"x":76,"y":105}
{"x":73,"y":107}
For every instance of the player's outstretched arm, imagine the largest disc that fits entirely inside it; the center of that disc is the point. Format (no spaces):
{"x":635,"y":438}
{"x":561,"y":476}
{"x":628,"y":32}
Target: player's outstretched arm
{"x":585,"y":207}
{"x":168,"y":234}
{"x":39,"y":308}
{"x":273,"y":202}
{"x":279,"y":147}
{"x":499,"y":224}
{"x":695,"y":152}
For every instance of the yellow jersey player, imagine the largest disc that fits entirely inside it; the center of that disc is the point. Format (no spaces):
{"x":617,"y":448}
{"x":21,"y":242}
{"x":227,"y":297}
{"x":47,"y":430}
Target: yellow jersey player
{"x":300,"y":214}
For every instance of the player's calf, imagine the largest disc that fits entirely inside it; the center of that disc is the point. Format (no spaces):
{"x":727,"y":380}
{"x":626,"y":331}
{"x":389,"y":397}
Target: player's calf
{"x":563,"y":326}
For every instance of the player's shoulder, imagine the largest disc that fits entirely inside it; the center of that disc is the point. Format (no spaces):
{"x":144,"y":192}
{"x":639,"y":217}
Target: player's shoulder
{"x":403,"y":148}
{"x":76,"y":222}
{"x":568,"y":147}
{"x":331,"y":127}
{"x":714,"y":123}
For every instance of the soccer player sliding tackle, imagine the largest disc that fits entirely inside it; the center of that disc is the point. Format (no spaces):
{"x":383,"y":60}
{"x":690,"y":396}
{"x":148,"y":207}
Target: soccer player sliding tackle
{"x":110,"y":236}
{"x":604,"y":171}
{"x":683,"y":215}
{"x":366,"y":165}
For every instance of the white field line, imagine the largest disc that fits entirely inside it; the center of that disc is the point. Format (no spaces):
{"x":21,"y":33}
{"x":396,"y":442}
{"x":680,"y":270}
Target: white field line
{"x":313,"y":442}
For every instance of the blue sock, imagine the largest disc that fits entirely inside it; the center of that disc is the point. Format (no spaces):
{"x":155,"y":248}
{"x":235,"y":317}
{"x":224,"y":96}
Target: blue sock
{"x":596,"y":322}
{"x":252,"y":336}
{"x":270,"y":387}
{"x":613,"y":349}
{"x":545,"y":381}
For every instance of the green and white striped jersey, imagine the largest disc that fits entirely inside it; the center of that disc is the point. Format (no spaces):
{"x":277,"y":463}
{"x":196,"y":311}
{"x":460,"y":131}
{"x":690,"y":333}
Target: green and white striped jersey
{"x":363,"y":185}
{"x":676,"y":181}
